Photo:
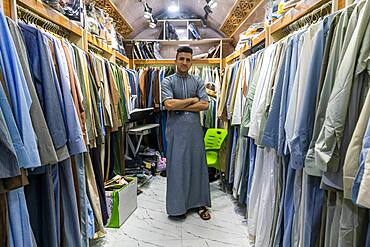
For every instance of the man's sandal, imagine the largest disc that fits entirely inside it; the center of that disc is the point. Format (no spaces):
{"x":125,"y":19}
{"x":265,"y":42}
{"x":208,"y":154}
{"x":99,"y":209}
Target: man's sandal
{"x":204,"y":213}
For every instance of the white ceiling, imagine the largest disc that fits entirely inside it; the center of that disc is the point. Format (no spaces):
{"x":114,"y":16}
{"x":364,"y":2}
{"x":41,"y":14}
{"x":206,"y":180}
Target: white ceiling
{"x":133,"y":11}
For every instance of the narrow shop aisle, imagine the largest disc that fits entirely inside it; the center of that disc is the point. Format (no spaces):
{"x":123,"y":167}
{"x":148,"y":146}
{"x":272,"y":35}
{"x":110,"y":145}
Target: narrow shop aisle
{"x":149,"y":225}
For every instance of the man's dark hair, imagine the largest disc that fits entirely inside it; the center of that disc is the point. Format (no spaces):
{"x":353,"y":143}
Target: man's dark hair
{"x":186,"y":49}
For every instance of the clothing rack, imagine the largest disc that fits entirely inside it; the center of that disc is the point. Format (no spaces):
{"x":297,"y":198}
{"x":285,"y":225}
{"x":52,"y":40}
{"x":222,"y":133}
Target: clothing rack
{"x":310,"y":18}
{"x":30,"y":17}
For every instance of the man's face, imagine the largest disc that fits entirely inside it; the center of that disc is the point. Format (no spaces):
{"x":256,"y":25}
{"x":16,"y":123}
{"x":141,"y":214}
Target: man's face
{"x":184,"y":61}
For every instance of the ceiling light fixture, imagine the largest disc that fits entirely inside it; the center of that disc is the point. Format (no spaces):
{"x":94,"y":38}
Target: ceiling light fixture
{"x":208,"y":11}
{"x":153,"y":22}
{"x":147,"y":11}
{"x":173,"y":6}
{"x":211,"y":3}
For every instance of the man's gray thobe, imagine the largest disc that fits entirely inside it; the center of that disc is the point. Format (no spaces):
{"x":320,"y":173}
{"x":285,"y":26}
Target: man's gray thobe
{"x":187,"y":172}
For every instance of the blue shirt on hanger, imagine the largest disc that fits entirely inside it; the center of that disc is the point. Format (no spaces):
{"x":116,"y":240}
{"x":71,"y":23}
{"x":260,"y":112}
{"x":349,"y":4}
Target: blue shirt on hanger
{"x":271,"y":133}
{"x":300,"y":143}
{"x":19,"y":97}
{"x":20,"y":150}
{"x":44,"y":81}
{"x":75,"y":142}
{"x":290,"y":74}
{"x":284,"y":96}
{"x":8,"y":157}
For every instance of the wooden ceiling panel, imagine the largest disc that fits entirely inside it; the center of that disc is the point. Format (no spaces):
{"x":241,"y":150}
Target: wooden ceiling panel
{"x":240,"y":12}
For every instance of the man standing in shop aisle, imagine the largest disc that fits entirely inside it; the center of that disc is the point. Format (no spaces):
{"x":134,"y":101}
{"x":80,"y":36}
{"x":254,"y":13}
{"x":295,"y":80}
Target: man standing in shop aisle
{"x":184,"y":96}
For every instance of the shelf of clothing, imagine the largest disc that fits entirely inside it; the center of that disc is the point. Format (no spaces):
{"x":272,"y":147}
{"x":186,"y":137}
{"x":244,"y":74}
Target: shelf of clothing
{"x":293,"y":15}
{"x":172,"y":61}
{"x":301,"y":9}
{"x":257,"y":40}
{"x":99,"y":44}
{"x":121,"y":24}
{"x":52,"y":15}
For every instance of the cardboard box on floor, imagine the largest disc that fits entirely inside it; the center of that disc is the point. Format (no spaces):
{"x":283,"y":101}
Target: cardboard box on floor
{"x":123,"y":203}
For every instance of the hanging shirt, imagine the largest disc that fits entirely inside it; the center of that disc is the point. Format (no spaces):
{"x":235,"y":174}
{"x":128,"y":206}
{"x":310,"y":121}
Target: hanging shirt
{"x":359,"y":141}
{"x":237,"y":108}
{"x":324,"y":88}
{"x":19,"y":96}
{"x":299,"y":83}
{"x":263,"y":86}
{"x":358,"y":91}
{"x":308,"y":92}
{"x":223,"y":95}
{"x":93,"y":95}
{"x":287,"y":92}
{"x":271,"y":132}
{"x":232,"y":90}
{"x":80,"y":85}
{"x":330,"y":137}
{"x":16,"y":139}
{"x":8,"y":158}
{"x":44,"y":142}
{"x":42,"y":75}
{"x":354,"y":163}
{"x":75,"y":90}
{"x":313,"y":162}
{"x":360,"y":189}
{"x":75,"y":139}
{"x":255,"y":67}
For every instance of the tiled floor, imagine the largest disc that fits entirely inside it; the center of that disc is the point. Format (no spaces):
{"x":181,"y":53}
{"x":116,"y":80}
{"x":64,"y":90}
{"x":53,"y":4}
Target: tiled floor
{"x":149,"y":225}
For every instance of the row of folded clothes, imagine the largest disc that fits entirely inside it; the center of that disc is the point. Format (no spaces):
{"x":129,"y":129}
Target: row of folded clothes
{"x":298,"y":146}
{"x":62,"y":112}
{"x":146,"y":50}
{"x":169,"y":32}
{"x":151,"y":50}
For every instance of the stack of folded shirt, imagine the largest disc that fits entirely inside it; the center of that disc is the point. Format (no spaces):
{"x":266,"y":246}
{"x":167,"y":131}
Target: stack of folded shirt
{"x":99,"y":24}
{"x":249,"y":34}
{"x":146,"y":50}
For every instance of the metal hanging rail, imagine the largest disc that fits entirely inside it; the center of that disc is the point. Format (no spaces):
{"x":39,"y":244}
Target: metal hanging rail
{"x":310,"y":18}
{"x":30,"y":17}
